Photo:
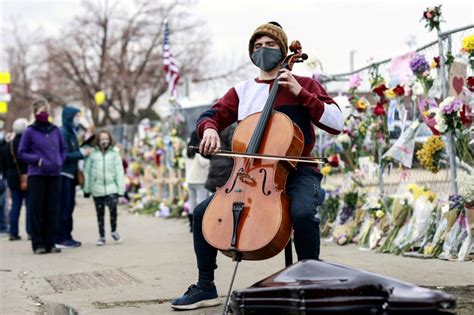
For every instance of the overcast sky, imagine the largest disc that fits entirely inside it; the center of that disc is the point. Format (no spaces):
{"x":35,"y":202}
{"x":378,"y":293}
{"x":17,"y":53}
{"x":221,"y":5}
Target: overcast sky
{"x":328,"y":29}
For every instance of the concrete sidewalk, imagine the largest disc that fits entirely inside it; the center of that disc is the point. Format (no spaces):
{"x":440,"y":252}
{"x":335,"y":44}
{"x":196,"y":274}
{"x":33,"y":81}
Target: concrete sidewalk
{"x":156,"y":264}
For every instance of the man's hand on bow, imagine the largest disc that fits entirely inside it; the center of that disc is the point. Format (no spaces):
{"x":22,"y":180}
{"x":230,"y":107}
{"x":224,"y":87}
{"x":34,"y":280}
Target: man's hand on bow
{"x":210,"y":143}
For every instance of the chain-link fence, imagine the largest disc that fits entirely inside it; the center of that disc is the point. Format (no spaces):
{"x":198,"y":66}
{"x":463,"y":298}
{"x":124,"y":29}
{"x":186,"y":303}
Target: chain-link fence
{"x":389,"y":177}
{"x":123,"y":134}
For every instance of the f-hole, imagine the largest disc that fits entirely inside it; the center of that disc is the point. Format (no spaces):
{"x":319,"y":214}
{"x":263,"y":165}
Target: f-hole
{"x":227,"y":190}
{"x":264,"y":171}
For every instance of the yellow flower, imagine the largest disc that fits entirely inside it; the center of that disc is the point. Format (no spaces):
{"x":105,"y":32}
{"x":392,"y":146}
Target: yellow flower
{"x":390,"y":94}
{"x":326,"y":170}
{"x":431,"y":196}
{"x":362,"y":103}
{"x":427,"y":154}
{"x":427,"y":250}
{"x":412,"y":186}
{"x":433,"y":64}
{"x":379,"y":214}
{"x":468,"y":43}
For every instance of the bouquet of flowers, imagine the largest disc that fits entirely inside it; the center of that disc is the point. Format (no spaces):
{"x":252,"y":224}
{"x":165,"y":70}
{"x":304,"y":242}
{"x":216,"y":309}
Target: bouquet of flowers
{"x":450,"y":213}
{"x":425,"y":105}
{"x":432,"y":17}
{"x":458,"y":240}
{"x":467,"y":191}
{"x":347,"y":219}
{"x":370,"y":207}
{"x":452,"y":114}
{"x":468,"y":47}
{"x":344,"y":142}
{"x":375,"y":222}
{"x":418,"y":225}
{"x":430,"y":153}
{"x":401,"y":212}
{"x":421,"y":69}
{"x":378,"y":121}
{"x":328,"y":212}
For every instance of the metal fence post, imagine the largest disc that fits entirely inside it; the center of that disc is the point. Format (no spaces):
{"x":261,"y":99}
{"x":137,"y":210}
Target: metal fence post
{"x":451,"y":149}
{"x":381,"y":169}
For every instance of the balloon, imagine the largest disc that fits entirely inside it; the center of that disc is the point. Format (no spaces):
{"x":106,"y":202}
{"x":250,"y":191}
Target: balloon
{"x":100,"y":98}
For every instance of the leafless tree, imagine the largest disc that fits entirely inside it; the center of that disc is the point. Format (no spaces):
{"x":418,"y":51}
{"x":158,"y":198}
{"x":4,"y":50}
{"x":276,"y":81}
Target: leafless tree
{"x":118,"y":50}
{"x":29,"y":76}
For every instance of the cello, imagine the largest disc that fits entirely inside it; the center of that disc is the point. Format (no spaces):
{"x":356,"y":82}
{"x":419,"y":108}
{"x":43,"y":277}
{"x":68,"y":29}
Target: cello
{"x":248,"y":218}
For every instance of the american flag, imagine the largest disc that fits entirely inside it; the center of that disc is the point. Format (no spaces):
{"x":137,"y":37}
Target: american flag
{"x":169,"y":64}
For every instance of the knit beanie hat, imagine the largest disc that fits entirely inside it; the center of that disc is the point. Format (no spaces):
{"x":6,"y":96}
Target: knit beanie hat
{"x":273,"y":30}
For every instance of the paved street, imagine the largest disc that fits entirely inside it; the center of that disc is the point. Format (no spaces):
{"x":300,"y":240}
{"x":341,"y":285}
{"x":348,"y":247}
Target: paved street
{"x":156,"y":263}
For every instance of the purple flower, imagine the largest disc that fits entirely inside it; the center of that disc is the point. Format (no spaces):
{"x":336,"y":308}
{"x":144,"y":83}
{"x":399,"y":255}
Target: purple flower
{"x":452,"y":107}
{"x":419,"y":64}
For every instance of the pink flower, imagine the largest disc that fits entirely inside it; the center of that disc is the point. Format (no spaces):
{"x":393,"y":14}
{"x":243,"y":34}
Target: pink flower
{"x":355,"y":81}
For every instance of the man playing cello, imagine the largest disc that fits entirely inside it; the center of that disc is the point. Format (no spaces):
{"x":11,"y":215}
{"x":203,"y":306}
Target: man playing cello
{"x":306,"y":103}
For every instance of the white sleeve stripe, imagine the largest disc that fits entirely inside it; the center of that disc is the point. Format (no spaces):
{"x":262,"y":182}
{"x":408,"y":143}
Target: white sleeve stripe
{"x":332,"y":117}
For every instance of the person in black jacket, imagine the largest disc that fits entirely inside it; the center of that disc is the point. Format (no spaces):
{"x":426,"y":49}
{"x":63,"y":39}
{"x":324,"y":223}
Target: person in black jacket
{"x":13,"y":169}
{"x":3,"y":186}
{"x":70,"y":120}
{"x":221,"y":166}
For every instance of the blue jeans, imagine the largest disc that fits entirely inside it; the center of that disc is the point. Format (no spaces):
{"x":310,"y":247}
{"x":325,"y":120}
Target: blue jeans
{"x":67,"y":204}
{"x":18,"y":196}
{"x":303,"y":187}
{"x":3,"y":215}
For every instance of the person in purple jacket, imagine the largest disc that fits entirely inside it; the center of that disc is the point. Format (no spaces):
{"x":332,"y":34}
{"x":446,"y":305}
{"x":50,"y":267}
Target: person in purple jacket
{"x":42,"y":147}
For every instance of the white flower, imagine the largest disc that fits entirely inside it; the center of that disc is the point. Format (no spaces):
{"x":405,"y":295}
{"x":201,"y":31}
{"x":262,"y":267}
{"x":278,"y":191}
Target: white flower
{"x":441,"y":126}
{"x":343,"y":138}
{"x":312,"y":62}
{"x":433,"y":74}
{"x":446,"y":102}
{"x":436,"y":111}
{"x":417,"y":89}
{"x":372,"y":203}
{"x":407,"y":198}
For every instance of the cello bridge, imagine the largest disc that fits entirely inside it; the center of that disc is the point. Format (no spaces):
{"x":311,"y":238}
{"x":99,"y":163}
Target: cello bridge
{"x":243,"y":177}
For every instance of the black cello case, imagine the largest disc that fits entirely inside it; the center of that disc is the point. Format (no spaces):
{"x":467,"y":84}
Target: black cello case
{"x":317,"y":287}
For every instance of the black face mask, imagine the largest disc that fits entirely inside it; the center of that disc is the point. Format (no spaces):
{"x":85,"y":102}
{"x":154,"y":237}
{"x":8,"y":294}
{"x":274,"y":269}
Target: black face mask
{"x":104,"y":144}
{"x":266,"y":58}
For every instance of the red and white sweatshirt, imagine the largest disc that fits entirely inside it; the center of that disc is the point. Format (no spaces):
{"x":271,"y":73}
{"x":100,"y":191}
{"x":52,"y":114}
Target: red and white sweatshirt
{"x":312,"y":106}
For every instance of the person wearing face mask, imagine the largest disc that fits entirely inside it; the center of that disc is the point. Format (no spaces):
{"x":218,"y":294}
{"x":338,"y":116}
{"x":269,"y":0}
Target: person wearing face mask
{"x":104,"y":179}
{"x":15,"y":171}
{"x":3,"y":185}
{"x":70,"y":119}
{"x":42,"y":147}
{"x":307,"y":104}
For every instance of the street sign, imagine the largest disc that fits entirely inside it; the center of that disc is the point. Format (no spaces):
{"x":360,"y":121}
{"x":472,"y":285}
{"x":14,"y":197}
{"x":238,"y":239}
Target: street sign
{"x":3,"y":107}
{"x":4,"y":89}
{"x":5,"y":97}
{"x":5,"y":78}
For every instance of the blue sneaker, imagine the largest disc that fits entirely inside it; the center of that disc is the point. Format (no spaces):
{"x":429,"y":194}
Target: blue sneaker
{"x":66,"y":244}
{"x":195,"y":297}
{"x":76,"y":243}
